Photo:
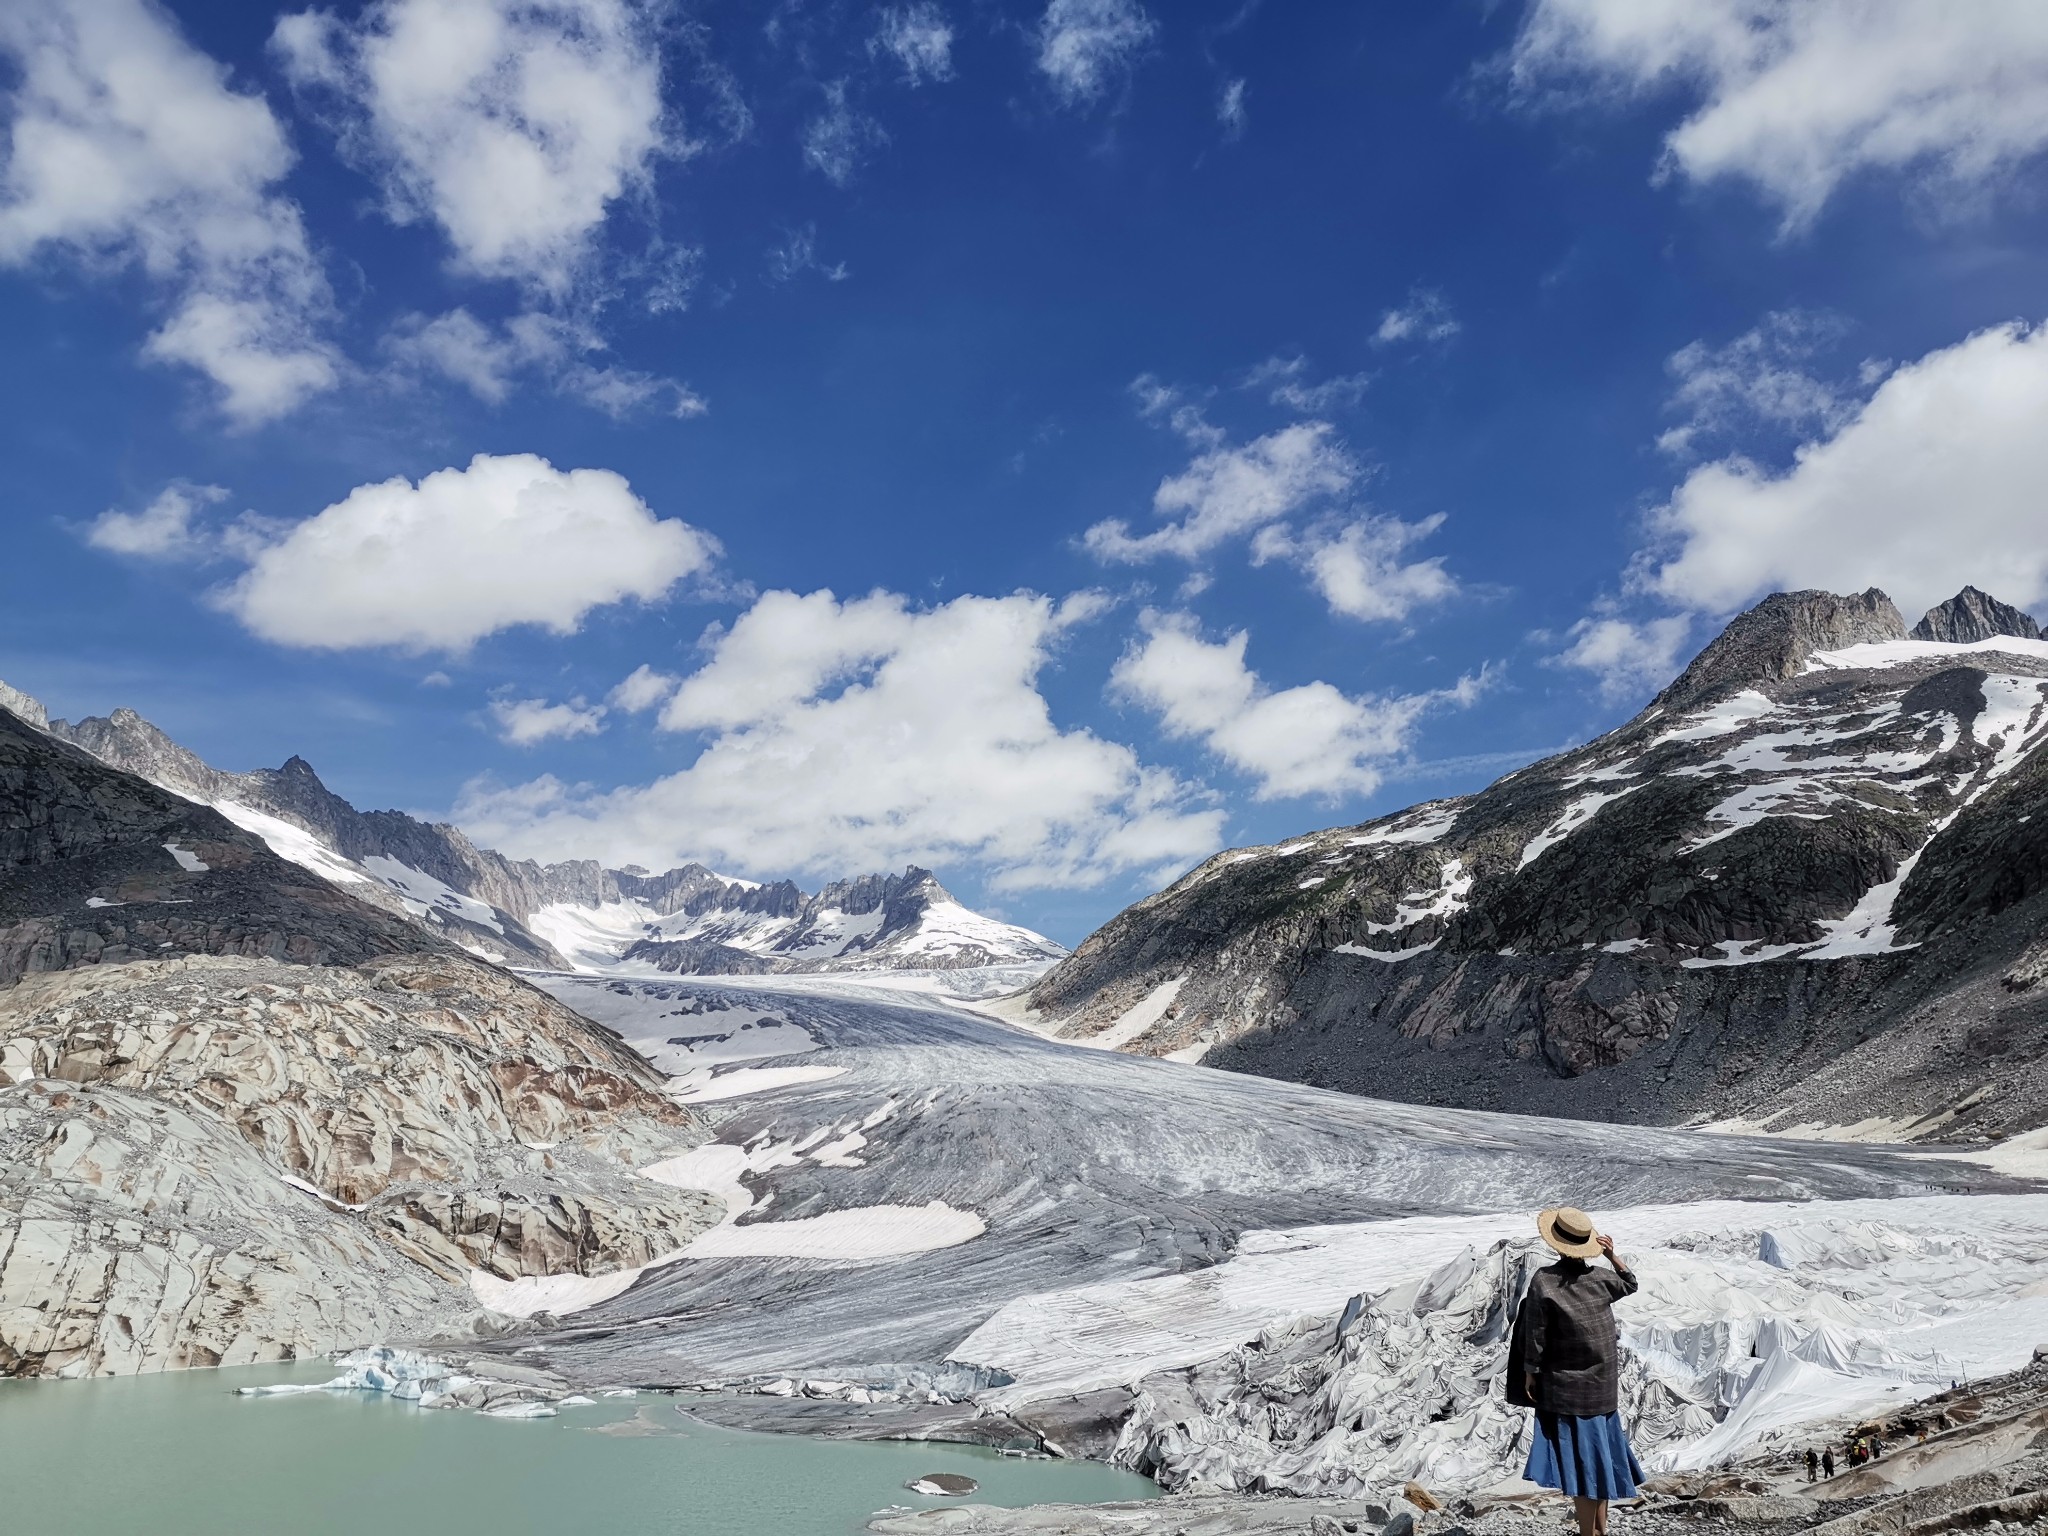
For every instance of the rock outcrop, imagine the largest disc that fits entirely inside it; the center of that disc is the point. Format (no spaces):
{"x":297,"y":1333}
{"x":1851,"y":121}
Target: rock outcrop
{"x":1971,"y":616}
{"x":1789,"y":891}
{"x":263,"y":1160}
{"x":1774,"y":640}
{"x":244,"y":1115}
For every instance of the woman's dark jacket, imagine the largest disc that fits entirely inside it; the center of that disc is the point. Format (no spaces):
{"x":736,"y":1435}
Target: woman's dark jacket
{"x":1565,"y":1336}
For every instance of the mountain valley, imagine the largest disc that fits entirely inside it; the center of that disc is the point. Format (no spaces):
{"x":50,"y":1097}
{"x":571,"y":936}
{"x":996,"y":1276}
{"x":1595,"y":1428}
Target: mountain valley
{"x":269,"y":1090}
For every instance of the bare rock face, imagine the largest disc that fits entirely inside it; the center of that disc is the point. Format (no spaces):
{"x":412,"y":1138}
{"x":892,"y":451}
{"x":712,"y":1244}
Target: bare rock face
{"x":245,"y":1116}
{"x":139,"y":1236}
{"x":1971,"y":616}
{"x":1773,"y":640}
{"x":19,"y":704}
{"x":97,"y":866}
{"x":414,"y":1117}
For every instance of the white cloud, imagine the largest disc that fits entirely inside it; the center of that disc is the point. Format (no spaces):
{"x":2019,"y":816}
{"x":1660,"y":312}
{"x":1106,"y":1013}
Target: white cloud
{"x":1083,"y":44}
{"x":437,"y":566}
{"x":1760,"y":377}
{"x":641,"y":690}
{"x":919,"y":38}
{"x":837,"y":139}
{"x":670,"y":274}
{"x":514,"y":125}
{"x":1230,"y":109}
{"x":1164,"y":404}
{"x":461,"y":347}
{"x":1313,"y":740}
{"x":125,"y":144}
{"x":160,"y":531}
{"x":528,"y":722}
{"x":1228,"y":492}
{"x":798,"y":254}
{"x":1628,"y":658}
{"x":1933,"y":483}
{"x":866,"y":733}
{"x":1798,"y":98}
{"x":1357,"y":566}
{"x":487,"y":361}
{"x":1286,"y":381}
{"x":1425,"y":317}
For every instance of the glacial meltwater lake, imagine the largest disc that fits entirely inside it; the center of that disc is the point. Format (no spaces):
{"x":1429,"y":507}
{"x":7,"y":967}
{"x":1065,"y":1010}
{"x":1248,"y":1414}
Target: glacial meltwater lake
{"x":179,"y":1454}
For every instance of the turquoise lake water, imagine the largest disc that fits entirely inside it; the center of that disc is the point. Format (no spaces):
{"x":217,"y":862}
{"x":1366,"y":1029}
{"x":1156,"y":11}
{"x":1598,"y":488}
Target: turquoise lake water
{"x":181,"y":1455}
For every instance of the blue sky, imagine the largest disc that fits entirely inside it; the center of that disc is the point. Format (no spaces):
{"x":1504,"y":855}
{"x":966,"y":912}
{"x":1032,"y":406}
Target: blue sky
{"x":1045,"y":441}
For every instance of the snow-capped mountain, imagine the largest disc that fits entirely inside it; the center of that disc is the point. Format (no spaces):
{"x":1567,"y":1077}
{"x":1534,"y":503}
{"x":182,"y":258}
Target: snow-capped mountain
{"x":1809,"y":883}
{"x":891,"y":922}
{"x":572,"y":915}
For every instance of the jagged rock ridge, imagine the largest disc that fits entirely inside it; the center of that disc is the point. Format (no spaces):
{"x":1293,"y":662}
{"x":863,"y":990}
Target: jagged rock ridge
{"x":573,"y":914}
{"x":1805,"y":885}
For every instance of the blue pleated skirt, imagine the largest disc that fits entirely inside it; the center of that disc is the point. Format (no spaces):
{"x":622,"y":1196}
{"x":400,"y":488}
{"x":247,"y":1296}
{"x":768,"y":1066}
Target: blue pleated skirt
{"x":1587,"y":1458}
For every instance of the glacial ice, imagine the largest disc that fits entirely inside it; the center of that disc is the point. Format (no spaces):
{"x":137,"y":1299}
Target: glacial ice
{"x":403,"y":1374}
{"x":1138,"y":1218}
{"x":1752,"y":1320}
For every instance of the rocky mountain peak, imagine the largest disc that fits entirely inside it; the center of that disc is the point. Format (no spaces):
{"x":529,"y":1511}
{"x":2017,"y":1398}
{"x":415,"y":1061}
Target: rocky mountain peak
{"x":22,"y":707}
{"x":1972,"y":615}
{"x":1773,"y":640}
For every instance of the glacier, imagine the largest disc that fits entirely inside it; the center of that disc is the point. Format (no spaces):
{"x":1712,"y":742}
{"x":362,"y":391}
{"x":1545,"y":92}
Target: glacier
{"x":1058,"y":1221}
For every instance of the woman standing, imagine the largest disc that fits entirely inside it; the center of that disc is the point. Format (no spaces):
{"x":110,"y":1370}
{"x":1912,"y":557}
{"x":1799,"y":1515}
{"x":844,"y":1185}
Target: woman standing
{"x":1563,"y":1363}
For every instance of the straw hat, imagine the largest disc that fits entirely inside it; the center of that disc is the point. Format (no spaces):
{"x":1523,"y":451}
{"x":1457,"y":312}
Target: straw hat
{"x":1570,"y":1231}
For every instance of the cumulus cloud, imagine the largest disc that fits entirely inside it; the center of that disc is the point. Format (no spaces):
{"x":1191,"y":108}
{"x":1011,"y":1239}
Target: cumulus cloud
{"x":163,"y":530}
{"x":865,"y":733}
{"x":919,"y":38}
{"x":641,"y":690}
{"x":528,"y":722}
{"x":1629,"y":659}
{"x":1425,"y":317}
{"x":1084,"y":44}
{"x":1312,"y":740}
{"x":839,"y":138}
{"x":513,"y":125}
{"x":1357,"y":566}
{"x":464,"y":553}
{"x":1760,"y":377}
{"x":125,"y":145}
{"x":1932,"y":483}
{"x":1796,"y":99}
{"x":487,"y":360}
{"x":1227,"y":492}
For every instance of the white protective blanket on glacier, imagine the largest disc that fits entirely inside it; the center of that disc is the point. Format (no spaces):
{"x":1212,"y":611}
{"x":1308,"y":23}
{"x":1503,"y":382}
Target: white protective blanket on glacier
{"x":1752,"y":1319}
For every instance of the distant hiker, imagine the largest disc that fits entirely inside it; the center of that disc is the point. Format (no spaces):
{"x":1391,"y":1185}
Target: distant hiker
{"x":1812,"y":1464}
{"x":1563,"y":1363}
{"x":1827,"y":1463}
